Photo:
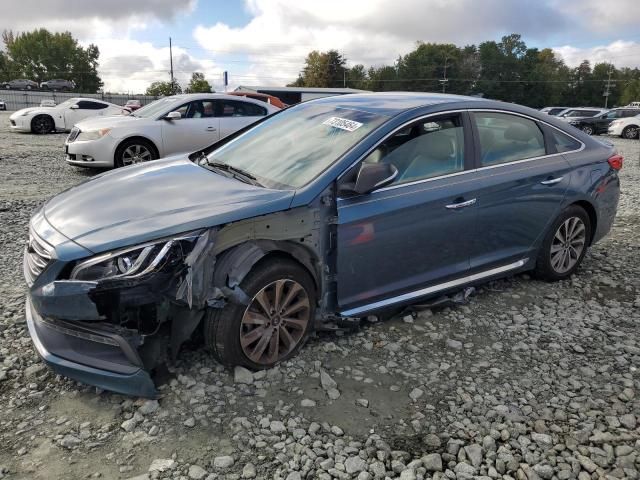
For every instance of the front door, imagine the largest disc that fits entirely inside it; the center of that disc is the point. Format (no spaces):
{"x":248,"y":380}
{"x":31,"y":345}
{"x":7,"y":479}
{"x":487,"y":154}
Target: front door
{"x":196,"y":129}
{"x":521,"y":183}
{"x":416,"y":232}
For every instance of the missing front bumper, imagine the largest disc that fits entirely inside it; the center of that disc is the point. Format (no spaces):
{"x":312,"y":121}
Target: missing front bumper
{"x":94,"y":358}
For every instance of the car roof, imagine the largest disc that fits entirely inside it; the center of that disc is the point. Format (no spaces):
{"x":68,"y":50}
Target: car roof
{"x":393,"y":103}
{"x":218,"y":96}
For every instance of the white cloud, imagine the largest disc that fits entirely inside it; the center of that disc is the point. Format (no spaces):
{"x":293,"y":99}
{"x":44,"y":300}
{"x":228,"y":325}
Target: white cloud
{"x":620,"y":53}
{"x":133,"y":72}
{"x":371,"y":32}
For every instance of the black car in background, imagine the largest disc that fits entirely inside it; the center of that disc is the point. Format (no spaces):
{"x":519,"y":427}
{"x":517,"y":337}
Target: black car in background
{"x":600,"y":123}
{"x":58,"y":85}
{"x":20,"y":84}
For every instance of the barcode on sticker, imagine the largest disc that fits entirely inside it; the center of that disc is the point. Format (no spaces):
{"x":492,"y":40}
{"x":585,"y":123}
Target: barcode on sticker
{"x":342,"y":123}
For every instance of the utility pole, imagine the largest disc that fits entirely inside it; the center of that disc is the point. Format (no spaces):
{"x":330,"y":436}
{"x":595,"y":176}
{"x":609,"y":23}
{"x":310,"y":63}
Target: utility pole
{"x":444,"y":75}
{"x":607,"y":90}
{"x":171,"y":63}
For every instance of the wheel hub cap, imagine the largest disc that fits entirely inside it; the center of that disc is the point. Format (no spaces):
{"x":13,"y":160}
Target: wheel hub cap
{"x":275,"y":321}
{"x":568,"y":244}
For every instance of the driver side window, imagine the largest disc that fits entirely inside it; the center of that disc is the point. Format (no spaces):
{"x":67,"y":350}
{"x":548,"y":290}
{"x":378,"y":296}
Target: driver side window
{"x":427,"y":148}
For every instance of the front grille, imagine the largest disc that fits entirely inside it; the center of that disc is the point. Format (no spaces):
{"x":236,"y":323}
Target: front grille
{"x":75,"y":131}
{"x":37,"y":255}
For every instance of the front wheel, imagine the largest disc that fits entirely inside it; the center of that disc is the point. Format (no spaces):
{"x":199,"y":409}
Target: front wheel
{"x":42,"y":124}
{"x":630,"y":132}
{"x":134,"y":151}
{"x":274,"y":324}
{"x":588,"y":129}
{"x":565,"y":245}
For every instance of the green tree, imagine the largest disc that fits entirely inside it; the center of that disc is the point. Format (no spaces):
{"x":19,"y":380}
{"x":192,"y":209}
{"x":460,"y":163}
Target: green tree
{"x":162,"y":89}
{"x":198,"y":84}
{"x":322,"y":69}
{"x":631,"y":92}
{"x":41,"y":55}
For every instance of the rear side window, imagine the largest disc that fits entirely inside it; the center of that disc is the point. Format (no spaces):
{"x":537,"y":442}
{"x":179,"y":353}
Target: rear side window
{"x":561,"y":142}
{"x":507,"y":138}
{"x":86,"y":105}
{"x":233,"y":108}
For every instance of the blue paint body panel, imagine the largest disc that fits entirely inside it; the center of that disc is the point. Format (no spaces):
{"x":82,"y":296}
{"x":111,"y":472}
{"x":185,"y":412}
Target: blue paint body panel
{"x":384,"y":245}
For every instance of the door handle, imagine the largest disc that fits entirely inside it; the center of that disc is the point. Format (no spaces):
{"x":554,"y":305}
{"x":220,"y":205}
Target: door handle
{"x":455,"y":206}
{"x":211,"y":129}
{"x":552,"y":181}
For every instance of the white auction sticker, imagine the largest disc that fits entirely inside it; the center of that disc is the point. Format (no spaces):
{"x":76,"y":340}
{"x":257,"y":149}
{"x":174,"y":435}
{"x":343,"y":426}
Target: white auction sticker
{"x":342,"y":123}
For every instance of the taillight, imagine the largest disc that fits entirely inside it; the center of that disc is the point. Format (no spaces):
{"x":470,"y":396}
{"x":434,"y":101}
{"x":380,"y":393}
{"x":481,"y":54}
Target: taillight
{"x":616,"y":161}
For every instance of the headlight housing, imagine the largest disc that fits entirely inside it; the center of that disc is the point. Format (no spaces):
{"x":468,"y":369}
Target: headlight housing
{"x":93,"y":134}
{"x":135,"y":262}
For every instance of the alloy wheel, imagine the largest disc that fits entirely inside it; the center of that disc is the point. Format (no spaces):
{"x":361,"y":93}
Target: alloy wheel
{"x":588,"y":130}
{"x":136,"y":154}
{"x":41,"y":124}
{"x":631,"y":133}
{"x":568,"y":244}
{"x":275,"y":322}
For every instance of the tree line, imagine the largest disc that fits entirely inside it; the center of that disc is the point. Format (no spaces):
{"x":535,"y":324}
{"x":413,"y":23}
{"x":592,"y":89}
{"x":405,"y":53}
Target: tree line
{"x":42,"y":55}
{"x":507,"y":70}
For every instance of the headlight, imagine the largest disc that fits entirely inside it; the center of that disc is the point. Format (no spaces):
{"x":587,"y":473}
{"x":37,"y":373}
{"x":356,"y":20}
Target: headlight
{"x":135,"y":262}
{"x":93,"y":134}
{"x":24,"y":114}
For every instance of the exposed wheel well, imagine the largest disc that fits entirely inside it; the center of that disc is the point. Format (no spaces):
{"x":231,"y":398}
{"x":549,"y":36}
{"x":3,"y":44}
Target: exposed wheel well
{"x":235,"y":263}
{"x":593,"y":217}
{"x":138,"y":137}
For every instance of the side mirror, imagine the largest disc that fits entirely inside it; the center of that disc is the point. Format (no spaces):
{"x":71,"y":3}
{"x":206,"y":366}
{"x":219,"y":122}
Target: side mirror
{"x":74,"y":107}
{"x":370,"y":177}
{"x":173,"y":116}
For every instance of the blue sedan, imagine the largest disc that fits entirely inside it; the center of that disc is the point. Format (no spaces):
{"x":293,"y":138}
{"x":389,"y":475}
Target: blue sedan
{"x":335,"y":208}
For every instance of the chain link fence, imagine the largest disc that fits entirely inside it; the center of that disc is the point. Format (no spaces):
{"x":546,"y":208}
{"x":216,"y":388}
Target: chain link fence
{"x":17,"y":99}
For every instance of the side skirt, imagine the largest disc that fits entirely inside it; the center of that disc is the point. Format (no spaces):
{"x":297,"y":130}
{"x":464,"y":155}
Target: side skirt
{"x":433,"y":289}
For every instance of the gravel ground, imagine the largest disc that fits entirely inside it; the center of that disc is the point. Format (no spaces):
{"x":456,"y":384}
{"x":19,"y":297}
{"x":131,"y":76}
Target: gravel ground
{"x":527,"y":381}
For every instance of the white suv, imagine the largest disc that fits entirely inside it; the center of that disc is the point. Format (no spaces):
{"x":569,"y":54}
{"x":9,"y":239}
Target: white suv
{"x":625,"y":127}
{"x":171,"y":125}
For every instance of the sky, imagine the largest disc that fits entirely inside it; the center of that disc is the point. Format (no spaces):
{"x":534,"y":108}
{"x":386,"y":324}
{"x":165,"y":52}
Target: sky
{"x":265,"y":42}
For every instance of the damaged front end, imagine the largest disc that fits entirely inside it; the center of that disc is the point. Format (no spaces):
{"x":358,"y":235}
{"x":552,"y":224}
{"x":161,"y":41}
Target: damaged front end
{"x":110,"y":319}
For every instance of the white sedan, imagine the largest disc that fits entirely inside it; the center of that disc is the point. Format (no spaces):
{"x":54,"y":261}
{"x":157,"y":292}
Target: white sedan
{"x":171,"y":125}
{"x":61,"y":117}
{"x":626,"y":127}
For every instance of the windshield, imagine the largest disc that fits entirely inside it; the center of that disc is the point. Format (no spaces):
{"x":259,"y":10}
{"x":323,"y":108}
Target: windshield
{"x":295,"y":146}
{"x":156,"y":108}
{"x":68,"y":103}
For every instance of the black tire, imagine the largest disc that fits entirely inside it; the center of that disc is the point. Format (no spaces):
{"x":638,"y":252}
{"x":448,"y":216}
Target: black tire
{"x":630,"y":132}
{"x":588,"y":129}
{"x":545,"y":261}
{"x":122,"y":155}
{"x":42,"y":124}
{"x":223,"y":328}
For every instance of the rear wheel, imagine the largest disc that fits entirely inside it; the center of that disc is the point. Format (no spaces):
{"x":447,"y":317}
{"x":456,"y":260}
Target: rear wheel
{"x":274,"y":324}
{"x":630,"y":132}
{"x":136,"y":150}
{"x":588,"y":129}
{"x":565,"y":245}
{"x":42,"y":124}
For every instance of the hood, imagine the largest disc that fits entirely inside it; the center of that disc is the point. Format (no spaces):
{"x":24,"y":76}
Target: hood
{"x":115,"y":121}
{"x":18,"y":113}
{"x":144,"y":202}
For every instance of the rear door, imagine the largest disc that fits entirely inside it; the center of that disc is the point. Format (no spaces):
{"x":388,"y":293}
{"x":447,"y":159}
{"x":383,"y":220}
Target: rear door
{"x":197,"y":128}
{"x":237,"y":114}
{"x":521,"y":179}
{"x":416,"y":233}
